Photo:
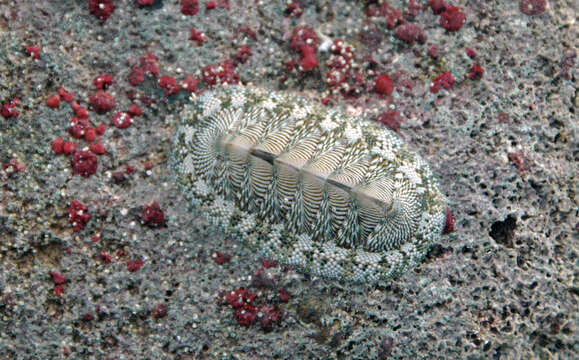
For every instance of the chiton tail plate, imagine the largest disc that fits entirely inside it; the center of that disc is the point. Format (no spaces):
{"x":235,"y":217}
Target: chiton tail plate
{"x":336,"y":195}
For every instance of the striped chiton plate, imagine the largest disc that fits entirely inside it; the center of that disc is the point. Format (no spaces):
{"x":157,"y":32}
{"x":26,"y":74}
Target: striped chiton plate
{"x":335,"y":195}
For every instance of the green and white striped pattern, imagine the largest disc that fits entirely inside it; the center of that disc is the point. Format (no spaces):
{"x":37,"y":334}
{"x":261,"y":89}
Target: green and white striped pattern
{"x":338,"y":196}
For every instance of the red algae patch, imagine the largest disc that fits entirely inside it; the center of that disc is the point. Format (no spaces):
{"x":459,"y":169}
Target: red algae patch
{"x":102,"y":102}
{"x":101,"y":9}
{"x":533,"y":7}
{"x":384,"y":85}
{"x":452,"y":18}
{"x":84,"y":163}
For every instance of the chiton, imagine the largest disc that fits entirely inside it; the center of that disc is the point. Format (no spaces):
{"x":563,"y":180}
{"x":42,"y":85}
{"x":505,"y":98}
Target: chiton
{"x":336,"y":195}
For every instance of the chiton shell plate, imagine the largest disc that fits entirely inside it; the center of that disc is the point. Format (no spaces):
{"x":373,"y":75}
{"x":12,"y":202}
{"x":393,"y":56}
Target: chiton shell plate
{"x":335,"y":195}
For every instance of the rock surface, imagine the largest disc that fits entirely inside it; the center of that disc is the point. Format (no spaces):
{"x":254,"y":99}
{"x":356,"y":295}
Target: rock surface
{"x":144,"y":277}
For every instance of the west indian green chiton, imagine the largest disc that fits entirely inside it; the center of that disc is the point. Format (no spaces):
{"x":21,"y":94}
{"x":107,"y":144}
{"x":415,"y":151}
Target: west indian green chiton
{"x":335,"y":195}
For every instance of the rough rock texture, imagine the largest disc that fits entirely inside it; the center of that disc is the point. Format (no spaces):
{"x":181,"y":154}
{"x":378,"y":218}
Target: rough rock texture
{"x":504,"y":147}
